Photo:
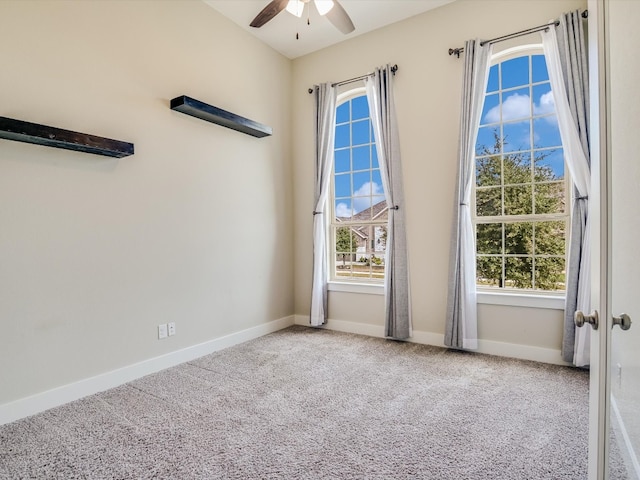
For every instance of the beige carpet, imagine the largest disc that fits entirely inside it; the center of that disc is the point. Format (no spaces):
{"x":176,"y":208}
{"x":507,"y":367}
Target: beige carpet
{"x":305,"y":403}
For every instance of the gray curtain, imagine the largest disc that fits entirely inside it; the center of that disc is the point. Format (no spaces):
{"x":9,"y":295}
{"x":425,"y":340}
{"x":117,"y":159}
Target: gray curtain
{"x":573,"y":59}
{"x":383,"y":116}
{"x":325,"y":125}
{"x":461,"y":329}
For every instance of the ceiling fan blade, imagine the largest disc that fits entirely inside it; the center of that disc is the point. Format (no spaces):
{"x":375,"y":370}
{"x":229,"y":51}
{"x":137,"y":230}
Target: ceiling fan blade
{"x":271,"y":10}
{"x":340,"y":18}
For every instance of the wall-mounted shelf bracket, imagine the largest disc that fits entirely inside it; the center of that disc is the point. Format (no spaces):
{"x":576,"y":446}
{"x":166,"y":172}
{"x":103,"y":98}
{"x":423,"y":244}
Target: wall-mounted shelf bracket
{"x":201,"y":110}
{"x":11,"y":129}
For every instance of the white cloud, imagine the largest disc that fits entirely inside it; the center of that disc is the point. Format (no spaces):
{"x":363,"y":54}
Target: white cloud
{"x":367,"y":195}
{"x":368,"y":188}
{"x":546,"y":105}
{"x":518,"y":106}
{"x":362,"y":199}
{"x":515,"y":106}
{"x":343,"y":210}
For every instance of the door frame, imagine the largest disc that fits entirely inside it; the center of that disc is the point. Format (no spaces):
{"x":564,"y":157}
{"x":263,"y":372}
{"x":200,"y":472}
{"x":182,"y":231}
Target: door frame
{"x":599,"y":213}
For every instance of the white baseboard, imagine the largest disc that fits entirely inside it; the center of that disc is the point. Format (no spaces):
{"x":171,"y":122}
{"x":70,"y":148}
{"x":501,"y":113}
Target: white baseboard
{"x":619,"y":427}
{"x":490,"y":347}
{"x":40,"y":402}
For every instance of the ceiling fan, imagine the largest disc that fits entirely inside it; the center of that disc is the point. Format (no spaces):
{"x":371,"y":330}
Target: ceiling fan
{"x":329,"y":8}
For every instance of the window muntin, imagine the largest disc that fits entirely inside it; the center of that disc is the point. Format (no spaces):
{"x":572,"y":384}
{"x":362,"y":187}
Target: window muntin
{"x":359,"y":219}
{"x":520,"y":212}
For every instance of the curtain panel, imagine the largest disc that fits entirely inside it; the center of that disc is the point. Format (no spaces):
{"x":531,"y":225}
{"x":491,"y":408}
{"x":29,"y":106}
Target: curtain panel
{"x":461,"y":327}
{"x":325,"y":126}
{"x":566,"y":56}
{"x":379,"y":89}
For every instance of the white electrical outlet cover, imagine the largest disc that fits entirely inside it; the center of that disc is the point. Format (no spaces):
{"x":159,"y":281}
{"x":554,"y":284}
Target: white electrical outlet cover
{"x":171,"y":328}
{"x":162,"y":331}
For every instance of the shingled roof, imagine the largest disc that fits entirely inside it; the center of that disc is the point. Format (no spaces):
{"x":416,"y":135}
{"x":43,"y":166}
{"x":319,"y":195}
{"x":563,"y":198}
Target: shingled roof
{"x":378,"y":211}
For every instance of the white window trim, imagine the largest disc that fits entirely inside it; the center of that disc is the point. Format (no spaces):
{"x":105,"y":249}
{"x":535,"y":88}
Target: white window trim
{"x":356,"y":287}
{"x":521,"y":299}
{"x":515,"y":298}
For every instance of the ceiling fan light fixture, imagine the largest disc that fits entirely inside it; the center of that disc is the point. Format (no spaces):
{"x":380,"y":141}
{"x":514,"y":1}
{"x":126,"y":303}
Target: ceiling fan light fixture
{"x":295,"y":7}
{"x":324,"y":6}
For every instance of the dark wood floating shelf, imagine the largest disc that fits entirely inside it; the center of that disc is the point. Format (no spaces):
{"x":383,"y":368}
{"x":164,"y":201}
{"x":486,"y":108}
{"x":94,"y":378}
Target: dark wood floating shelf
{"x":201,"y":110}
{"x":27,"y":132}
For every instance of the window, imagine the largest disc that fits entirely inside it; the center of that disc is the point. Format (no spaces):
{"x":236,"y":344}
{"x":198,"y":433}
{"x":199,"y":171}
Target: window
{"x":521,"y":216}
{"x":359,"y":220}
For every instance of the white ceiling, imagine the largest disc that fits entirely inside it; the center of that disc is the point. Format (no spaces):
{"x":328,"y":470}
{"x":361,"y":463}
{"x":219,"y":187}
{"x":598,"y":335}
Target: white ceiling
{"x":280,"y":32}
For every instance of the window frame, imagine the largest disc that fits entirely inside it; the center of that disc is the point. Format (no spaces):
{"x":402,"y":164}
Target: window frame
{"x":521,"y":296}
{"x":364,"y":285}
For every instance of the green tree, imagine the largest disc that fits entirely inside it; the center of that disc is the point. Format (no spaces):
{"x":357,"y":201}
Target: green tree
{"x":346,"y":243}
{"x":518,"y":254}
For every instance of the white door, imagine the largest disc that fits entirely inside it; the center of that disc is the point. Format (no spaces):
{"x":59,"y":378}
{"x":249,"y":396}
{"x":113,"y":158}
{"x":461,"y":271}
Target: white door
{"x":614,"y":34}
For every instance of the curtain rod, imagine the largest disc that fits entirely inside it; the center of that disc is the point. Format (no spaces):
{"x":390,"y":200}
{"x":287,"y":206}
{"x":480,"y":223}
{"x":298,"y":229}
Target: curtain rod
{"x":539,"y":28}
{"x":394,"y":69}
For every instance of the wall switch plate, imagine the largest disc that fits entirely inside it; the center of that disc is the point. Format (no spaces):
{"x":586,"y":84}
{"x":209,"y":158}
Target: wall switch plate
{"x":162,"y":331}
{"x":171,"y":328}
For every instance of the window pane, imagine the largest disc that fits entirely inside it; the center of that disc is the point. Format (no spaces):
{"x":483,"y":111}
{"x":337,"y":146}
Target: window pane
{"x":374,"y":157}
{"x":543,"y":103}
{"x":517,"y":136}
{"x":380,"y":244}
{"x":491,"y":109}
{"x":549,"y":165}
{"x":515,"y":72}
{"x":360,"y":130}
{"x":550,"y":273}
{"x":518,"y":272}
{"x":539,"y":67}
{"x":489,"y":237}
{"x":518,"y":238}
{"x":517,"y":168}
{"x":516,"y":105}
{"x":378,"y":204}
{"x":488,"y":171}
{"x":546,"y":132}
{"x":343,"y":185}
{"x":342,"y":136}
{"x":550,"y":198}
{"x":362,"y":209}
{"x":343,"y":208}
{"x":362,"y":183}
{"x":550,"y":238}
{"x":488,"y":201}
{"x":361,"y":158}
{"x":342,"y":163}
{"x":342,"y":113}
{"x":492,"y":84}
{"x":376,"y":185}
{"x":359,"y":108}
{"x":487,"y":141}
{"x":518,"y":200}
{"x":489,"y":271}
{"x":346,"y":246}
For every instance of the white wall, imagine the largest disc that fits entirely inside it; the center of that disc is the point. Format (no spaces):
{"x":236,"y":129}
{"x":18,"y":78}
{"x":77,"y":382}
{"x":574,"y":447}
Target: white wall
{"x":427,"y":90}
{"x":195,"y":228}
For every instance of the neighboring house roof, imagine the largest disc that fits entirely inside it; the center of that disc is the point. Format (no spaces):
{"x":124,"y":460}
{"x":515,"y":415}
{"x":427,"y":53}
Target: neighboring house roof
{"x":379,"y":211}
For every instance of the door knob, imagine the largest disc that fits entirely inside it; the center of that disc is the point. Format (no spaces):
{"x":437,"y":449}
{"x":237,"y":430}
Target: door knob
{"x":580,"y":319}
{"x":623,"y":320}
